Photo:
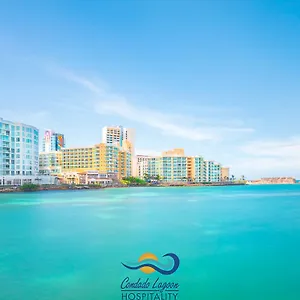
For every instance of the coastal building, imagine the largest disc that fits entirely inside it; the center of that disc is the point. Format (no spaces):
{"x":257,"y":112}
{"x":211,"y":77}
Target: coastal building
{"x":50,"y":163}
{"x":224,"y":173}
{"x":174,"y":166}
{"x":273,"y":180}
{"x":142,"y":165}
{"x":119,"y":136}
{"x":86,"y":178}
{"x":102,"y":158}
{"x":19,"y":153}
{"x":53,"y":141}
{"x":174,"y":152}
{"x":212,"y":171}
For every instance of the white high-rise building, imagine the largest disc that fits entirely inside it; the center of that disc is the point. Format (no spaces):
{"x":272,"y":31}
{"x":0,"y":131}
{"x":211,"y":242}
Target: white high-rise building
{"x":53,"y":141}
{"x":117,"y":135}
{"x":142,"y":165}
{"x":19,"y":152}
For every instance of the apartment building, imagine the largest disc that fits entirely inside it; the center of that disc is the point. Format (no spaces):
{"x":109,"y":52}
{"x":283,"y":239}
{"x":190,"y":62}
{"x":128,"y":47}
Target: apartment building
{"x":173,"y":166}
{"x":53,"y":141}
{"x":50,"y":163}
{"x":19,"y":156}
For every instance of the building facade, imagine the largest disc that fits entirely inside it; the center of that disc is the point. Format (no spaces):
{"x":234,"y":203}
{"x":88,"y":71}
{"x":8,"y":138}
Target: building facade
{"x":224,"y":174}
{"x":50,"y":163}
{"x":174,"y":166}
{"x":142,"y":165}
{"x":102,"y":158}
{"x":121,"y":137}
{"x":19,"y":153}
{"x":53,"y":141}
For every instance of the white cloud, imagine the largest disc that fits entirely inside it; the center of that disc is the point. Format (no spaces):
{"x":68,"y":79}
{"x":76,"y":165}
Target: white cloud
{"x":277,"y":148}
{"x":183,"y":126}
{"x":270,"y":158}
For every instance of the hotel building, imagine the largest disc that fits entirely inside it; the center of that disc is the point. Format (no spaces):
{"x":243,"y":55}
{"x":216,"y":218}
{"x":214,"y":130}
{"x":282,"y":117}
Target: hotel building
{"x":53,"y":141}
{"x":120,"y":136}
{"x":19,"y":153}
{"x":174,"y":166}
{"x":102,"y":158}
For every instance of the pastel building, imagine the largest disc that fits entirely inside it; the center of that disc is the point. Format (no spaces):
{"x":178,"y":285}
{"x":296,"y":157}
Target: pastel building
{"x":212,"y":171}
{"x":102,"y":158}
{"x":224,"y":173}
{"x":174,"y":165}
{"x":119,"y":136}
{"x":50,"y":163}
{"x":19,"y":153}
{"x":142,"y":165}
{"x":53,"y":141}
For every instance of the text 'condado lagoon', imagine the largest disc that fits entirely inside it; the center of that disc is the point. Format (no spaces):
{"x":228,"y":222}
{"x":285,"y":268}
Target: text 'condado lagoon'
{"x":149,"y":290}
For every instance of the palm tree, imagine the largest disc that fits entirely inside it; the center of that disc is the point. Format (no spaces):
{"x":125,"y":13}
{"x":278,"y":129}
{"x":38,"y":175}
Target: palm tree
{"x":232,"y":178}
{"x":243,"y":178}
{"x":146,"y":177}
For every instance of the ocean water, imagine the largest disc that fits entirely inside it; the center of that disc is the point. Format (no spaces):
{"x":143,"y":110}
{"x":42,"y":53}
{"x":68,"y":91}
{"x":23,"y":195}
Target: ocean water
{"x":237,"y":243}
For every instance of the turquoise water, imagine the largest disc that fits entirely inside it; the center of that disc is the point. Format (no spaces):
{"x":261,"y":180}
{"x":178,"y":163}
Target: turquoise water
{"x":234,"y":243}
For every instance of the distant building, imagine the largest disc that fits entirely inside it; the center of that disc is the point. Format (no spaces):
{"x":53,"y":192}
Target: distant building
{"x":142,"y":165}
{"x":102,"y":158}
{"x":120,"y":136}
{"x":19,"y":153}
{"x":173,"y":166}
{"x":53,"y":141}
{"x":174,"y":152}
{"x":50,"y":163}
{"x":273,"y":180}
{"x":224,"y":173}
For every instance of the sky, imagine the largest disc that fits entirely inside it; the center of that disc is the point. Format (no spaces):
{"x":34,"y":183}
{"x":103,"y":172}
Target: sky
{"x":217,"y":78}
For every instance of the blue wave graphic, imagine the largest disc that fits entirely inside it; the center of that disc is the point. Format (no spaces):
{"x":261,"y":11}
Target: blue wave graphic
{"x":156,"y":268}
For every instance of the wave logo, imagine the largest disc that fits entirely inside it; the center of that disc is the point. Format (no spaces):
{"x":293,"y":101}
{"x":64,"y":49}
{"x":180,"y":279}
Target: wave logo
{"x":148,"y":263}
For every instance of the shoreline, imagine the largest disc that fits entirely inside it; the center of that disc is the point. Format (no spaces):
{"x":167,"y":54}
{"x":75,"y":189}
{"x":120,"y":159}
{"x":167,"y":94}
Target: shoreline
{"x":91,"y":187}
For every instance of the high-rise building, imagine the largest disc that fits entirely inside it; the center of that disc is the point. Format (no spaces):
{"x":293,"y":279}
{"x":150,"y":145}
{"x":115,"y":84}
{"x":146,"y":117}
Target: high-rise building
{"x":103,"y":158}
{"x":118,"y":135}
{"x":53,"y":141}
{"x":19,"y":152}
{"x":174,"y":166}
{"x":142,"y":165}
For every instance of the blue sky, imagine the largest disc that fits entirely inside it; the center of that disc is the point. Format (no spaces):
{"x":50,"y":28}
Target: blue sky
{"x":219,"y":78}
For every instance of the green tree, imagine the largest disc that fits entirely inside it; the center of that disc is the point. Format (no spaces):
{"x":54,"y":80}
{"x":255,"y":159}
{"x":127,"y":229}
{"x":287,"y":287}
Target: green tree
{"x":29,"y":187}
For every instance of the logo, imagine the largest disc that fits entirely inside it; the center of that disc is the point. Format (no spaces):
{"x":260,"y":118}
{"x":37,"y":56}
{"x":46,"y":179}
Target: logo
{"x":149,"y":264}
{"x":149,"y":287}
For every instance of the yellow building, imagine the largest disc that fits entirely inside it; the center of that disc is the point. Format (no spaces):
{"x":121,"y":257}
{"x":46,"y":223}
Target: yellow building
{"x":103,"y":158}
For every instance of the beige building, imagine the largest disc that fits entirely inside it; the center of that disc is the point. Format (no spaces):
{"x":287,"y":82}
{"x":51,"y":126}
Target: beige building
{"x":224,"y":173}
{"x":122,"y":137}
{"x":173,"y":152}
